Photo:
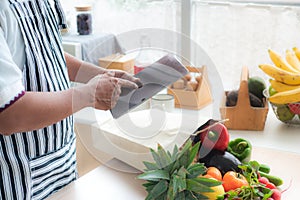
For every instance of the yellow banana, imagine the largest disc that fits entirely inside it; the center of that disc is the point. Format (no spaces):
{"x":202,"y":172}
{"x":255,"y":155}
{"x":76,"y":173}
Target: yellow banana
{"x":291,"y":96}
{"x":292,"y":59}
{"x":281,"y":87}
{"x":297,"y":52}
{"x":280,"y":62}
{"x":281,"y":75}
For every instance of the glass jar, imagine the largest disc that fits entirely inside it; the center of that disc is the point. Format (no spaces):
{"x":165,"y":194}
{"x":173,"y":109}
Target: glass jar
{"x":84,"y":20}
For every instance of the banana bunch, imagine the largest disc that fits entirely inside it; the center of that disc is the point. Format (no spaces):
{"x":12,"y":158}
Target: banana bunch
{"x":286,"y":76}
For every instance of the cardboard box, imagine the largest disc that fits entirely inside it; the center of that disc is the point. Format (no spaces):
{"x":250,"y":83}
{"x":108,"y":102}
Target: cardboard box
{"x":243,"y":116}
{"x":195,"y":100}
{"x":118,"y":61}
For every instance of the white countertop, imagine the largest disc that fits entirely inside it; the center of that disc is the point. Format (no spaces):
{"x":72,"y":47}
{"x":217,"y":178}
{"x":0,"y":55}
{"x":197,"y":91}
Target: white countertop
{"x":278,"y":146}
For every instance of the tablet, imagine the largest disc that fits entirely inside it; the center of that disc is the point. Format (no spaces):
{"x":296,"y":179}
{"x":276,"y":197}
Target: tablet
{"x":155,"y":78}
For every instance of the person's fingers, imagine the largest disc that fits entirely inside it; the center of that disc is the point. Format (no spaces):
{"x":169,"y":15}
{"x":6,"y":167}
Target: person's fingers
{"x":127,"y":84}
{"x":127,"y":76}
{"x":110,"y":73}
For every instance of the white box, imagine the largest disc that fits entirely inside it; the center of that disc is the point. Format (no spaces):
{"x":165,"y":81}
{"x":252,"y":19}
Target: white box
{"x":131,"y":143}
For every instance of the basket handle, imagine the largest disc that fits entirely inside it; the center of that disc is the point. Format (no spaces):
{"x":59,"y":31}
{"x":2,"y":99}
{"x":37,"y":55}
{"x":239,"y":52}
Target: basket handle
{"x":243,"y":95}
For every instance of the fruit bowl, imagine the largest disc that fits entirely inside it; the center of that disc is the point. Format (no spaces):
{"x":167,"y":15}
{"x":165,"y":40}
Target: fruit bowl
{"x":286,"y":113}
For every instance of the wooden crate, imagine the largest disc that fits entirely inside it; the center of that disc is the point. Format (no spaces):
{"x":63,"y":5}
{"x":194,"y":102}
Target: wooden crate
{"x":243,"y":116}
{"x":197,"y":99}
{"x":118,"y":61}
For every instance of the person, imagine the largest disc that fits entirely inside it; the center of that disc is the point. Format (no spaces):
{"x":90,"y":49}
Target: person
{"x":37,"y":140}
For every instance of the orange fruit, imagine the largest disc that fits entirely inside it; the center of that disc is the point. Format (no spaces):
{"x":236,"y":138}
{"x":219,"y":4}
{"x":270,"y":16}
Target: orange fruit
{"x":214,"y":173}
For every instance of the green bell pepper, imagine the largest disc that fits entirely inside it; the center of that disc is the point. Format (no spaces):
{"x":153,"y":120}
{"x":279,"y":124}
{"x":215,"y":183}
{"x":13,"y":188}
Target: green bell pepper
{"x":241,"y":149}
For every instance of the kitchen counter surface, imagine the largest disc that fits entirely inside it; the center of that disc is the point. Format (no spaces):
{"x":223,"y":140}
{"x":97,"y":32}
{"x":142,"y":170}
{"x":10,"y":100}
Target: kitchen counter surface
{"x":110,"y":184}
{"x":277,"y":146}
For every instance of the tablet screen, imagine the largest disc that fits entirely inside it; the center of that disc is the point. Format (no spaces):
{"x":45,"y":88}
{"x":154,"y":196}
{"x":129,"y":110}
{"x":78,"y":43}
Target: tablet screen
{"x":155,"y":78}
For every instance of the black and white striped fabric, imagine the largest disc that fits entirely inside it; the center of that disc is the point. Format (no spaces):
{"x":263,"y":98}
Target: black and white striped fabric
{"x":35,"y":164}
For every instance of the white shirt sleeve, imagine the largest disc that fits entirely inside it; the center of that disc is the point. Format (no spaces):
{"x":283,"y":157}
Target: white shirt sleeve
{"x":11,"y":86}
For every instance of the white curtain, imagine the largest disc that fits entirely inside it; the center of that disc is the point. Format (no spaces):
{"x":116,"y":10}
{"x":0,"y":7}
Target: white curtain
{"x":237,"y":35}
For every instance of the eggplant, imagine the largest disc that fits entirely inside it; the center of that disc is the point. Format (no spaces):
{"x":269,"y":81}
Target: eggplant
{"x":223,"y":160}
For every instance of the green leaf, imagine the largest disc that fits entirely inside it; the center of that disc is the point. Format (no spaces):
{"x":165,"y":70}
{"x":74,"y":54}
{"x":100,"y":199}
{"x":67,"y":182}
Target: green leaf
{"x":175,"y":152}
{"x":185,"y":149}
{"x":195,"y":170}
{"x":254,"y":164}
{"x":200,"y":196}
{"x":171,"y":192}
{"x":206,"y":181}
{"x":190,"y":195}
{"x":150,"y":185}
{"x":184,"y":155}
{"x":154,"y":175}
{"x":165,"y":159}
{"x":182,"y":172}
{"x":193,"y":153}
{"x":150,"y":166}
{"x":197,"y":187}
{"x":158,"y":190}
{"x":179,"y":183}
{"x":163,"y":196}
{"x":157,"y":159}
{"x":180,"y":196}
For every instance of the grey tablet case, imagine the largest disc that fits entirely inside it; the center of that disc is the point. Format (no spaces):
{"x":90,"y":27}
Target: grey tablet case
{"x":155,"y":78}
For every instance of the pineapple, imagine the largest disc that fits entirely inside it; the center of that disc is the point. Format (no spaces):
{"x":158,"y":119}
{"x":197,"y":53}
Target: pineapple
{"x":176,"y":176}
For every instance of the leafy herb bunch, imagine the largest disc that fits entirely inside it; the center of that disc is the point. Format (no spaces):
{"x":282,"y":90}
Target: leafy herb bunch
{"x":255,"y":190}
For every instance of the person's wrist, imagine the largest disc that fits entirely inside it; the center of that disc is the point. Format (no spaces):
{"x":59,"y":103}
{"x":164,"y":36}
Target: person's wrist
{"x":82,"y":97}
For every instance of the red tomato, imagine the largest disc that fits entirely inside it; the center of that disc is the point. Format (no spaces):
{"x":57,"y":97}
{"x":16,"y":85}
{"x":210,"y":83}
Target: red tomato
{"x":216,"y":137}
{"x":233,"y":180}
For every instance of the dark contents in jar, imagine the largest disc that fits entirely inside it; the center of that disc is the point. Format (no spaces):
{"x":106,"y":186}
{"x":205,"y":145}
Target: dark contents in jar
{"x":84,"y":24}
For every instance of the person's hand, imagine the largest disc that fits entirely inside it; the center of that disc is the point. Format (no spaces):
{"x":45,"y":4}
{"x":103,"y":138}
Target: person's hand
{"x":126,"y":76}
{"x":105,"y":90}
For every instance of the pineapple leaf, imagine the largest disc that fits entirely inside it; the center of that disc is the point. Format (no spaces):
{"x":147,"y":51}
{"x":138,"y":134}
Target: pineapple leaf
{"x":176,"y":176}
{"x":157,"y":159}
{"x":182,"y":172}
{"x":158,"y":189}
{"x":180,"y":196}
{"x":154,"y":175}
{"x":171,"y":191}
{"x":208,"y":182}
{"x":193,"y":153}
{"x":195,"y":170}
{"x":150,"y":166}
{"x":197,"y":187}
{"x":174,"y":154}
{"x":190,"y":195}
{"x":165,"y":159}
{"x":179,"y":183}
{"x":185,"y":148}
{"x":200,"y":196}
{"x":184,"y":156}
{"x":150,"y":185}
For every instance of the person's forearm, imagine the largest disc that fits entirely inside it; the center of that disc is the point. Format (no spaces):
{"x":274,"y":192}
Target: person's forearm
{"x":80,"y":71}
{"x":39,"y":109}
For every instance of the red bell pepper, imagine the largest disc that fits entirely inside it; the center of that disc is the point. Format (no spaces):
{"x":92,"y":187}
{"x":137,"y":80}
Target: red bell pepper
{"x":215,"y":137}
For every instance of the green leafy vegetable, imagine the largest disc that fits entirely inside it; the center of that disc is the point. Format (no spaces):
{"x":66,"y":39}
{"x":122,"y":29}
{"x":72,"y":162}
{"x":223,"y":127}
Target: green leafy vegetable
{"x":176,"y":176}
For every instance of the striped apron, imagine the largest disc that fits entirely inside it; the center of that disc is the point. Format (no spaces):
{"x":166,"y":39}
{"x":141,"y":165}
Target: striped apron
{"x":35,"y":164}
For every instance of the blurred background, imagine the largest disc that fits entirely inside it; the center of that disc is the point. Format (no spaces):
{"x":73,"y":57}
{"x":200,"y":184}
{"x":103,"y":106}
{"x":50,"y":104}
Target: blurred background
{"x":233,"y":33}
